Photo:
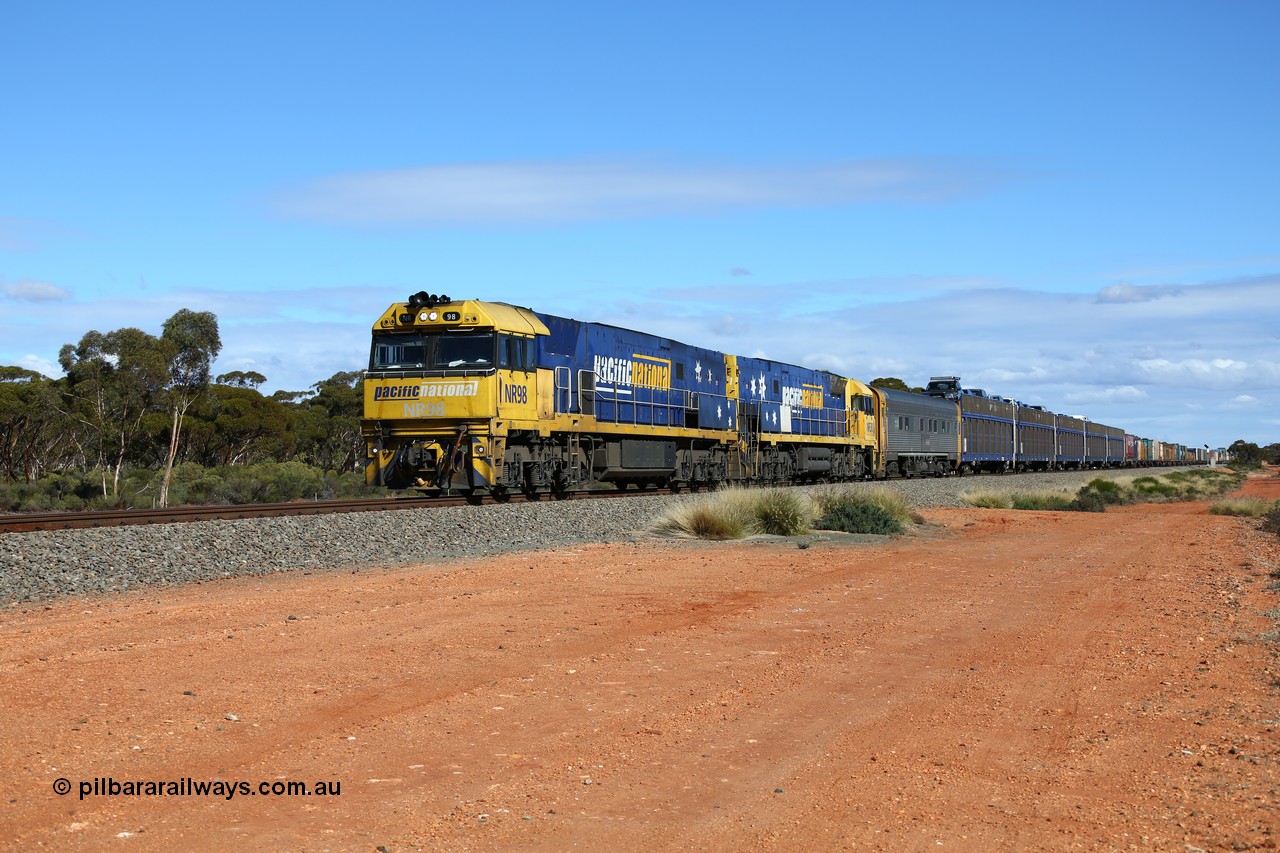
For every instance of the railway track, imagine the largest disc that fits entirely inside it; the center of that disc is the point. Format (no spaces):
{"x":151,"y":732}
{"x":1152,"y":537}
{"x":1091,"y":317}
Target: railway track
{"x":28,"y":522}
{"x":67,"y":520}
{"x":33,"y":521}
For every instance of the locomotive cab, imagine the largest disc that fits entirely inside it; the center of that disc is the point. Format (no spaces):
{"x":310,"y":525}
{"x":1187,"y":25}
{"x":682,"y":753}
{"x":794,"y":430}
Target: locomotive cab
{"x":446,"y":382}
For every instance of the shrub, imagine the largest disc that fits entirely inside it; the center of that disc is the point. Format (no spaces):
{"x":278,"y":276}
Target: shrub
{"x":724,"y":515}
{"x":190,"y":484}
{"x":1150,"y":487}
{"x":10,"y":496}
{"x":1099,"y":494}
{"x":888,"y":499}
{"x":1110,"y":490}
{"x":1251,"y":507}
{"x":895,"y":504}
{"x":703,"y":521}
{"x":38,"y":502}
{"x":1271,"y":521}
{"x":289,"y":481}
{"x":825,"y":497}
{"x":1089,"y":500}
{"x":1046,"y":500}
{"x":734,"y":513}
{"x":1102,"y":492}
{"x":350,"y":486}
{"x":1223,"y":481}
{"x":781,"y":513}
{"x":63,"y":490}
{"x":988,"y":500}
{"x":854,"y":516}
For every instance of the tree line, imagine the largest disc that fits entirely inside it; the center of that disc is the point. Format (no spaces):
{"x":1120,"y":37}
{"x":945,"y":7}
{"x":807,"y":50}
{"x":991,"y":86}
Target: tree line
{"x":135,"y":411}
{"x":1248,"y":454}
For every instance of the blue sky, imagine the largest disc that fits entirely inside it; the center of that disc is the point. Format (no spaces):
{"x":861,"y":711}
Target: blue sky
{"x":1071,"y":204}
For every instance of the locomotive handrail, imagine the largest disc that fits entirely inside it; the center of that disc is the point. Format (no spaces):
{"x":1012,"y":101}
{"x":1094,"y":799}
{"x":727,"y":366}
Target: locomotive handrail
{"x":825,"y":416}
{"x":685,"y":401}
{"x":566,"y":388}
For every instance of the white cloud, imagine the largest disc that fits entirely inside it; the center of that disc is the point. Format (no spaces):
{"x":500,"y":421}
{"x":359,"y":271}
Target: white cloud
{"x":28,"y":290}
{"x":1217,"y":373}
{"x":1124,"y":393}
{"x":821,"y":295}
{"x":584,"y":190}
{"x":1125,"y":293}
{"x":40,"y":365}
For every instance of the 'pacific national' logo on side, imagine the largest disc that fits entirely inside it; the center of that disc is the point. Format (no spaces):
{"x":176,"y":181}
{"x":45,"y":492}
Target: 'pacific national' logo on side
{"x":427,"y":390}
{"x":639,"y":371}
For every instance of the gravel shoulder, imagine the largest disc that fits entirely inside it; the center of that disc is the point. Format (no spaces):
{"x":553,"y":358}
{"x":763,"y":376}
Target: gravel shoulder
{"x":52,"y":564}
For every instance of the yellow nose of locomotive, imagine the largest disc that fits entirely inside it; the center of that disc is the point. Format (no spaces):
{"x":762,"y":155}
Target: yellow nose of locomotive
{"x":438,"y":372}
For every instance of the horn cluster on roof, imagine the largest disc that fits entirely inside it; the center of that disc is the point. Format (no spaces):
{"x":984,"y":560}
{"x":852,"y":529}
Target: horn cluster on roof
{"x":422,"y":299}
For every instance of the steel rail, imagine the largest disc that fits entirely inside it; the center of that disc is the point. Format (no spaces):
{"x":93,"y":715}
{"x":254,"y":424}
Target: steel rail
{"x":67,"y":520}
{"x":29,"y":522}
{"x":26,"y":522}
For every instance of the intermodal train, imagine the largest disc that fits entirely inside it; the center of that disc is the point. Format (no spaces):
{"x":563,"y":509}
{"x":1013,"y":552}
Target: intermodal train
{"x":474,"y":397}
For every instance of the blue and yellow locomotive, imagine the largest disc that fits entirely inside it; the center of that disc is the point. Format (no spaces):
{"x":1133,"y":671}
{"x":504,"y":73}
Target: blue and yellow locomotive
{"x":484,"y":397}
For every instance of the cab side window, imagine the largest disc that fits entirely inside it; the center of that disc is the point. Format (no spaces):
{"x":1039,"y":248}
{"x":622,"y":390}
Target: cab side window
{"x":515,"y":353}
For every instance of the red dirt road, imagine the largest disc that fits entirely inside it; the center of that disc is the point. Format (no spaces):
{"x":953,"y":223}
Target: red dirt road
{"x":995,"y":680}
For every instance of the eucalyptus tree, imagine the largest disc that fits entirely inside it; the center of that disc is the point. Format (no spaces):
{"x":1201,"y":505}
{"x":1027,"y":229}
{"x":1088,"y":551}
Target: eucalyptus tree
{"x":893,"y":383}
{"x":236,"y":425}
{"x":190,"y":342}
{"x":241,"y":379}
{"x":113,"y":380}
{"x":31,"y":427}
{"x":328,"y":423}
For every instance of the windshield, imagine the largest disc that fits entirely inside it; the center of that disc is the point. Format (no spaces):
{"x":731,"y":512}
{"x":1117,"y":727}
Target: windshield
{"x":397,"y":351}
{"x":471,"y":350}
{"x":415,"y":351}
